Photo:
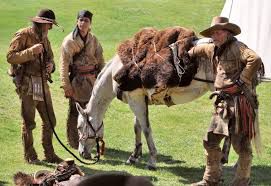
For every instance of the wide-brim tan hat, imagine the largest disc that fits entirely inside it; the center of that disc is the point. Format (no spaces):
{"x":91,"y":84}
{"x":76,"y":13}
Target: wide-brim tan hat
{"x":43,"y":20}
{"x":45,"y":16}
{"x":221,"y":23}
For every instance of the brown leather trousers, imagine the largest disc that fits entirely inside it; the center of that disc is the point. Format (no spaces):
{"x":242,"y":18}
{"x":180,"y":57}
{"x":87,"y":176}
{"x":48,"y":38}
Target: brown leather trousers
{"x":28,"y":109}
{"x":241,"y":145}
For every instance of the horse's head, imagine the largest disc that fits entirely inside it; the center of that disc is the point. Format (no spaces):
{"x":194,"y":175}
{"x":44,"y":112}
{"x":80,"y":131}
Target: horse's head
{"x":90,"y":133}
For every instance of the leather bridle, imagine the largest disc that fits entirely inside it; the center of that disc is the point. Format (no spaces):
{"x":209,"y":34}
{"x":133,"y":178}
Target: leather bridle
{"x":100,"y":150}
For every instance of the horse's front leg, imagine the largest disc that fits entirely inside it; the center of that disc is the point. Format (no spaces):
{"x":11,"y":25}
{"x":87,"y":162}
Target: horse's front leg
{"x":136,"y":155}
{"x":139,"y":105}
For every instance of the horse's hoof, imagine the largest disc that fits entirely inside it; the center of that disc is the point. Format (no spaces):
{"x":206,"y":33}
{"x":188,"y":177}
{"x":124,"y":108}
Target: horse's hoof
{"x":151,"y":167}
{"x":130,"y":161}
{"x":34,"y":161}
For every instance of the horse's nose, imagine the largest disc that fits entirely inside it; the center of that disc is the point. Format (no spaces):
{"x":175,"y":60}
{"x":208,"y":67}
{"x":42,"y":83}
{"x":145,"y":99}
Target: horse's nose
{"x":85,"y":155}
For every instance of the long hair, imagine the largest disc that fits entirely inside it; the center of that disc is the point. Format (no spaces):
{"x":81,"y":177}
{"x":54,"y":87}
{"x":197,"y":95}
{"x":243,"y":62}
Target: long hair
{"x":37,"y":27}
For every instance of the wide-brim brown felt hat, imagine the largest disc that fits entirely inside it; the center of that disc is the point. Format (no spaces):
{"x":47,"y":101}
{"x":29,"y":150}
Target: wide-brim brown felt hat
{"x":221,"y":23}
{"x":45,"y":16}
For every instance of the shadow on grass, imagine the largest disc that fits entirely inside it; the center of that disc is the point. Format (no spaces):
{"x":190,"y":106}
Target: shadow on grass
{"x":2,"y":183}
{"x":188,"y":174}
{"x":260,"y":174}
{"x":122,"y":157}
{"x":88,"y":171}
{"x":118,"y":157}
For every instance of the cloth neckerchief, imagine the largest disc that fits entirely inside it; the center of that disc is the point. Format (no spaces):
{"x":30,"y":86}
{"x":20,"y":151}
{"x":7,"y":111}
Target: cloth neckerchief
{"x":77,"y":32}
{"x":83,"y":38}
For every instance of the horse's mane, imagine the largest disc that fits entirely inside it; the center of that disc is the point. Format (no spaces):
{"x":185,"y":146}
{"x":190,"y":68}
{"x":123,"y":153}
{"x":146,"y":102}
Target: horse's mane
{"x":103,"y":70}
{"x":97,"y":84}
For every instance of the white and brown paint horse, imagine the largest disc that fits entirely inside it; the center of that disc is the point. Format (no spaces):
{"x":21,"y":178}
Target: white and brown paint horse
{"x":90,"y":125}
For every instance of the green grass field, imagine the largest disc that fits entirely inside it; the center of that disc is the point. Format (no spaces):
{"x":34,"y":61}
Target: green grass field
{"x":177,"y":130}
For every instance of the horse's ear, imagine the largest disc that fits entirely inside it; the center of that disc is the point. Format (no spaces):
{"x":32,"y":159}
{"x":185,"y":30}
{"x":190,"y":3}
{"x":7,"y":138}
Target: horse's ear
{"x":80,"y":109}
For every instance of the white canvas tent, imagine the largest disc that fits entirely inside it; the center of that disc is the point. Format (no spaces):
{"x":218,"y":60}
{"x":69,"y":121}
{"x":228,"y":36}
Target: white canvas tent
{"x":254,"y":19}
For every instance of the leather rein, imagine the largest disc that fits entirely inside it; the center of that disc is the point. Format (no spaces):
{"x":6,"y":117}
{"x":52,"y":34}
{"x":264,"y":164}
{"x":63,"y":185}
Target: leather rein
{"x":100,"y":150}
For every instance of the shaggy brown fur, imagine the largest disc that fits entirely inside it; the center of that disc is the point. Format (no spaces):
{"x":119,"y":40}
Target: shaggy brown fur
{"x":22,"y":179}
{"x":148,"y":60}
{"x":136,"y":47}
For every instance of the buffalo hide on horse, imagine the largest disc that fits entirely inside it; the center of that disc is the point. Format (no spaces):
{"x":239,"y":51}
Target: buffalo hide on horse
{"x":156,"y":59}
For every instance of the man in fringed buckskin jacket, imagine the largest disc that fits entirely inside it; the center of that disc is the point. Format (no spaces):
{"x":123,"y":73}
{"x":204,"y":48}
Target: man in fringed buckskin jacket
{"x":32,"y":62}
{"x":81,"y":61}
{"x":235,"y":109}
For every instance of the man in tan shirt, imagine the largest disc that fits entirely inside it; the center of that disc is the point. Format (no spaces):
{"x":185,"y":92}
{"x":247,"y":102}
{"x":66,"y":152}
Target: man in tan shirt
{"x":235,"y":67}
{"x":32,"y":60}
{"x":80,"y":62}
